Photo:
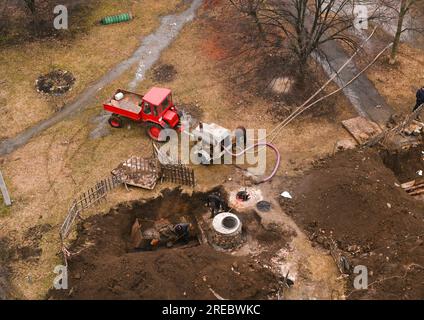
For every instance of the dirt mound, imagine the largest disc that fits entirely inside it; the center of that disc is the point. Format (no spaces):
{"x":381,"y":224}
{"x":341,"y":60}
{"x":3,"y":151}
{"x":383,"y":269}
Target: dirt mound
{"x":55,"y":83}
{"x":107,"y":267}
{"x":352,"y":198}
{"x":164,"y":73}
{"x":167,"y":274}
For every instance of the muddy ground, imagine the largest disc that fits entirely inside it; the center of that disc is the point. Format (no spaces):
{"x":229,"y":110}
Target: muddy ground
{"x":107,"y":267}
{"x":352,"y":198}
{"x":355,"y":200}
{"x":164,"y":73}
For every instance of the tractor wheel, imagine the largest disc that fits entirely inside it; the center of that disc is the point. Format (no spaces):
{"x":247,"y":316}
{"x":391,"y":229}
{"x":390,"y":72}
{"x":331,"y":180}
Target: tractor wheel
{"x":115,"y":121}
{"x":154,"y":130}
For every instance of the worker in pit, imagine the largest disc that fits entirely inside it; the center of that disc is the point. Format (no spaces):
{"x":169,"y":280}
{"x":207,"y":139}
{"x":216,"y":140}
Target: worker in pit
{"x":420,"y":98}
{"x":182,"y":231}
{"x":215,"y":203}
{"x":146,"y":241}
{"x":148,"y":245}
{"x":171,"y":234}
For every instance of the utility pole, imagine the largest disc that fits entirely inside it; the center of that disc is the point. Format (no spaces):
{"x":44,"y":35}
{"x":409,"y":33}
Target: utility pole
{"x":6,"y":197}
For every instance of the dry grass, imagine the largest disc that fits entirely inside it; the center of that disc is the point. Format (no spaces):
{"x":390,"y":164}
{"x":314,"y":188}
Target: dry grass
{"x":88,"y":57}
{"x":48,"y":172}
{"x":399,"y":83}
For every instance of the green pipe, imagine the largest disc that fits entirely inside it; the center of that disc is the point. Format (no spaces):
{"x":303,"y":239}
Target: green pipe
{"x":117,"y":18}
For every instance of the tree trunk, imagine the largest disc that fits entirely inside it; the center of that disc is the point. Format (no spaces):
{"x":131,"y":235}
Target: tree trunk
{"x":31,"y":6}
{"x":2,"y":14}
{"x":399,"y":30}
{"x":302,"y":70}
{"x":259,"y":25}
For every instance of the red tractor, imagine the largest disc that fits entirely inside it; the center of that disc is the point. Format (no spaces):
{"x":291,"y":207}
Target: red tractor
{"x":156,"y":108}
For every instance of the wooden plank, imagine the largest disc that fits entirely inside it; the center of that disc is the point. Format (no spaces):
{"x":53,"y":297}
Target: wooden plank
{"x":417,"y":192}
{"x":361,"y":129}
{"x":4,"y":191}
{"x":412,"y":184}
{"x":418,"y":186}
{"x":408,"y":184}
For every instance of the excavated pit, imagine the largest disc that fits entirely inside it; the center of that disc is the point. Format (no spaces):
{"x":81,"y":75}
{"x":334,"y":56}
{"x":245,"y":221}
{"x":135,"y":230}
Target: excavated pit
{"x":106,"y":266}
{"x":407,"y":164}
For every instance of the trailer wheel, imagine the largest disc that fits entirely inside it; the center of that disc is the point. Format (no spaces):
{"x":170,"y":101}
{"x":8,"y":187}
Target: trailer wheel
{"x":153,"y":131}
{"x":115,"y":121}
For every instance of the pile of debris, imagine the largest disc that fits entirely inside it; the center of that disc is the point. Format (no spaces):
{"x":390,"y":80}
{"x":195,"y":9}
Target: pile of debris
{"x":146,"y":172}
{"x":55,"y":83}
{"x":400,"y":132}
{"x":414,"y":188}
{"x":414,"y":129}
{"x":138,"y":172}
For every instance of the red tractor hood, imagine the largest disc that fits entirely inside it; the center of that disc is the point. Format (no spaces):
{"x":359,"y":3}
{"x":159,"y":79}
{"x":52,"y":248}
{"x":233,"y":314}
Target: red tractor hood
{"x":171,"y":117}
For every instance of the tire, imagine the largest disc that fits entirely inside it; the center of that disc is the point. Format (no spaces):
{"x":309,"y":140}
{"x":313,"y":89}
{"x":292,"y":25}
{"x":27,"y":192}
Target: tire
{"x":115,"y":121}
{"x":153,"y":131}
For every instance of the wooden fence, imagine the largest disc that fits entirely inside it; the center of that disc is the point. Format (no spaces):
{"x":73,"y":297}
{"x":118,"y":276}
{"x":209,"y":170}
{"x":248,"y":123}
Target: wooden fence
{"x":87,"y":199}
{"x":178,"y":173}
{"x":175,"y":173}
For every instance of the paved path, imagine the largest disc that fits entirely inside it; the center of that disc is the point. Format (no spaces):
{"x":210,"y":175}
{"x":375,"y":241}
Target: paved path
{"x":145,"y":56}
{"x":362,"y":93}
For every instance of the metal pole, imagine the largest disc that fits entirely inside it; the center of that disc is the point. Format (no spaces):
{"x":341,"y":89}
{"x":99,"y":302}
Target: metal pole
{"x":4,"y":191}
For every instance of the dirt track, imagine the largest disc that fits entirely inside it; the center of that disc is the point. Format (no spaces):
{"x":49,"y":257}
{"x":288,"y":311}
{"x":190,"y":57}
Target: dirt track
{"x":352,"y":198}
{"x":146,"y":55}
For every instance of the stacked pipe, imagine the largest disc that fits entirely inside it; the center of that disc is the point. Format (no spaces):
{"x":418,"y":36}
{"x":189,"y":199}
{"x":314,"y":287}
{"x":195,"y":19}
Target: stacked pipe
{"x":117,"y":18}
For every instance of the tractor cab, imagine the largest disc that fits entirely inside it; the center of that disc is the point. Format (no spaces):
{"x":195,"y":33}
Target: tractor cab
{"x":158,"y":107}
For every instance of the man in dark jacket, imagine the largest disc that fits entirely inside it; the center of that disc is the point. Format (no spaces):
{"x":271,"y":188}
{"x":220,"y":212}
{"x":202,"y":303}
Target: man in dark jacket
{"x":182,"y":230}
{"x":420,"y":98}
{"x":215,"y":203}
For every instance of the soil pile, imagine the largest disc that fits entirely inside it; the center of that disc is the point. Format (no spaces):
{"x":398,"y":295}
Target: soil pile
{"x":164,"y":73}
{"x":55,"y":83}
{"x":352,"y":198}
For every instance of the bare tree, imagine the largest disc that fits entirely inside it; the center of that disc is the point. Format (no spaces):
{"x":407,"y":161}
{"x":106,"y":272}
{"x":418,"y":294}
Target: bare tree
{"x":402,"y":9}
{"x":3,"y":7}
{"x":251,"y":8}
{"x":30,"y":4}
{"x":302,"y":25}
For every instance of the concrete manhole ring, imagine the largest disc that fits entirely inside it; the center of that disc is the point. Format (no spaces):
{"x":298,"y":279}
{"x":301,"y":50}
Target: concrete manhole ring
{"x":226,"y":223}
